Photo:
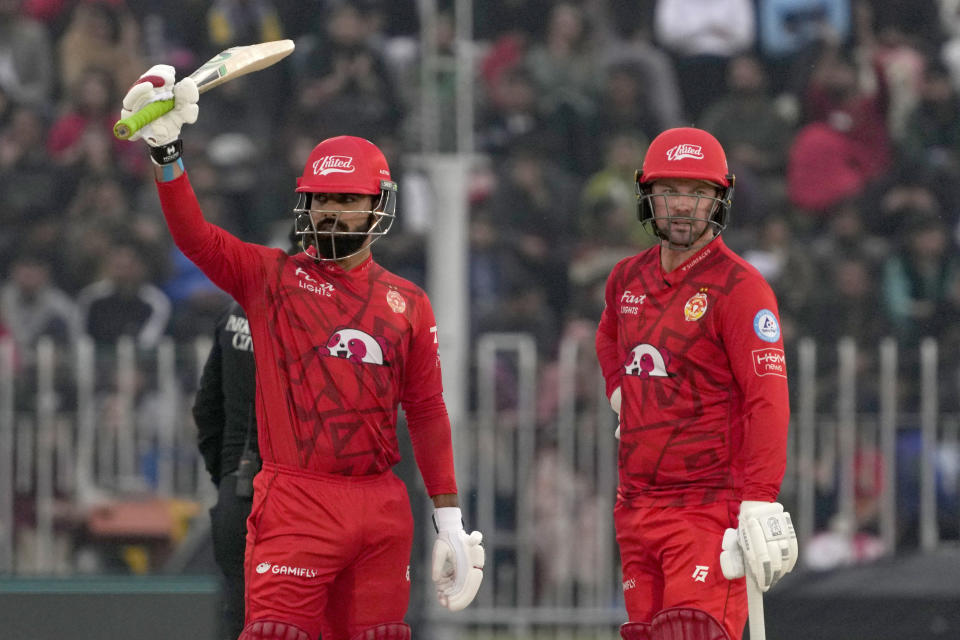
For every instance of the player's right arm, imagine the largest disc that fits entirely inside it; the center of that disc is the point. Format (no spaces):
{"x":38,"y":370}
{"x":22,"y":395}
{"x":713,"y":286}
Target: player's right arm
{"x":221,"y":256}
{"x":607,"y":341}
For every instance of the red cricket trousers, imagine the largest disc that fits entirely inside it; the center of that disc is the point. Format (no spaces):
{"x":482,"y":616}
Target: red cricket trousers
{"x":328,"y":553}
{"x":671,"y":558}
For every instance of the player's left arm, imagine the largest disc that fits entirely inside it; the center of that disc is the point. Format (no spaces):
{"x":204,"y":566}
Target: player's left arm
{"x":764,"y":542}
{"x":753,"y":342}
{"x":458,"y":558}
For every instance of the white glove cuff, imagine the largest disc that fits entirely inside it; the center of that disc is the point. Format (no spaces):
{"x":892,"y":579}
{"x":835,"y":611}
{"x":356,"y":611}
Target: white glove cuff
{"x":447,"y":519}
{"x":758,"y":509}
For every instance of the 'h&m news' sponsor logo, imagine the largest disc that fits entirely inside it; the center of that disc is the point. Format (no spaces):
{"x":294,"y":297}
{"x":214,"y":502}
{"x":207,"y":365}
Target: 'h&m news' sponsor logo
{"x":769,"y":362}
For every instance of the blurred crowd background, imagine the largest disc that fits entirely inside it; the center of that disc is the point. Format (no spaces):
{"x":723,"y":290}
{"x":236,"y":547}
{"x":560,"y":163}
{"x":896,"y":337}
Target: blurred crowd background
{"x":840,"y":118}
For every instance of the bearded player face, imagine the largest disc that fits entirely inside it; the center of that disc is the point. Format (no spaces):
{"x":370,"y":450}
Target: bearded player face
{"x":341,"y":221}
{"x":682,"y":210}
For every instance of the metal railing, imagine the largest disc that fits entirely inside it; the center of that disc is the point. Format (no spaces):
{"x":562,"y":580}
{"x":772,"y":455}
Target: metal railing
{"x":536,"y":462}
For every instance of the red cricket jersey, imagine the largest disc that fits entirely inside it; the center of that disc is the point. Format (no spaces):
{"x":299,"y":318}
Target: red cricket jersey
{"x":336,"y":352}
{"x":699,"y":358}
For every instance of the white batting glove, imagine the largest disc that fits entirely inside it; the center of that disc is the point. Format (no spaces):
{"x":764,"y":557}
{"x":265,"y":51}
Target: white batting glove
{"x":158,"y":83}
{"x":616,"y":399}
{"x":731,"y":558}
{"x":766,"y":540}
{"x":457,"y":560}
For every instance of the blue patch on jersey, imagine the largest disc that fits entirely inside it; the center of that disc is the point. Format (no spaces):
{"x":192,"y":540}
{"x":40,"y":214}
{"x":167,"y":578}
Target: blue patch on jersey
{"x":766,"y":326}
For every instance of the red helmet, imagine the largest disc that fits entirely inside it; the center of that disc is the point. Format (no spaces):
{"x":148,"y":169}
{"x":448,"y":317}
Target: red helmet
{"x":685,"y":152}
{"x":345,"y":164}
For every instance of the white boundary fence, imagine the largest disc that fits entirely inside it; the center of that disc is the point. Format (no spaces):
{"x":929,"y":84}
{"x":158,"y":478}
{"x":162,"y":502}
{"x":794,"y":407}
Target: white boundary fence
{"x":536,"y":462}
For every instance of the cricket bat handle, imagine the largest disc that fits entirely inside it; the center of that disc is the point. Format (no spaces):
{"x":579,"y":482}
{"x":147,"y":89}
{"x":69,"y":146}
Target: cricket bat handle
{"x":128,"y":126}
{"x":758,"y":629}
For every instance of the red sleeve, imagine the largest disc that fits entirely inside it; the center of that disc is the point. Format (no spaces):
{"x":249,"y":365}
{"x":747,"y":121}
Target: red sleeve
{"x":607,"y":337}
{"x":754,"y":346}
{"x":422,"y":400}
{"x":228,"y":261}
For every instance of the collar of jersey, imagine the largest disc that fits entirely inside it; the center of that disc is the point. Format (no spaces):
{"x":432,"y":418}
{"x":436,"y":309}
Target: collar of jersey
{"x":332,"y":268}
{"x":693,"y":263}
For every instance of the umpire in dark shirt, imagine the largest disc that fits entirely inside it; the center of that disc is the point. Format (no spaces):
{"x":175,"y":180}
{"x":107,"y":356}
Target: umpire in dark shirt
{"x":225,"y":417}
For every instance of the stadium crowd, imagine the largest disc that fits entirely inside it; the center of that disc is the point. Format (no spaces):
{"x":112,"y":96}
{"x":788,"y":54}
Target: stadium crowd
{"x":841,"y":119}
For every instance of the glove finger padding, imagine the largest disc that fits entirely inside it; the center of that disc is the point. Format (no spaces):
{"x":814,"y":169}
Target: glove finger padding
{"x":731,"y":557}
{"x":158,"y":84}
{"x":768,"y":542}
{"x":458,"y":561}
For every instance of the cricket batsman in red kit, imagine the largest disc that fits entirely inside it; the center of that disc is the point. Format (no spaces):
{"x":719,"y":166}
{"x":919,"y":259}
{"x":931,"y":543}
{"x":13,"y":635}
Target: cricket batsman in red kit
{"x":340,"y":343}
{"x":690,"y":346}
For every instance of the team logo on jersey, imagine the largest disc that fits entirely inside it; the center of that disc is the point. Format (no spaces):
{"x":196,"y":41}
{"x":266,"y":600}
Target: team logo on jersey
{"x":682,"y":151}
{"x":700,"y":573}
{"x":646,"y":361}
{"x":765,"y":325}
{"x":769,"y":362}
{"x":696,"y":306}
{"x":356,"y":346}
{"x":396,"y":301}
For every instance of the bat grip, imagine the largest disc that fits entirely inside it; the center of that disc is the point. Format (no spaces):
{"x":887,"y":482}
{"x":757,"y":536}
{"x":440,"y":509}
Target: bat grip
{"x":128,"y":126}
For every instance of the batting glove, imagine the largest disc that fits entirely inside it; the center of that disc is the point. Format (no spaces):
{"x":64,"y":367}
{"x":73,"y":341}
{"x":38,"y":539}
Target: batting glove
{"x":615,"y":400}
{"x":731,"y":558}
{"x":457,"y":560}
{"x":767,"y":544}
{"x":158,"y":83}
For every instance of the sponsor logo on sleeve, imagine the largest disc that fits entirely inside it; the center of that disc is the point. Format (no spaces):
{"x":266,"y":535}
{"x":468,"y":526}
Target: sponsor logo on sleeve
{"x":769,"y":362}
{"x":765,"y":325}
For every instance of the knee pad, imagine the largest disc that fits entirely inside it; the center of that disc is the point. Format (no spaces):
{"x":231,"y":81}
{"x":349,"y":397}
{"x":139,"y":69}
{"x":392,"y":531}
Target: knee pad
{"x":686,"y":623}
{"x":273,"y":630}
{"x":388,"y":631}
{"x":635,"y":631}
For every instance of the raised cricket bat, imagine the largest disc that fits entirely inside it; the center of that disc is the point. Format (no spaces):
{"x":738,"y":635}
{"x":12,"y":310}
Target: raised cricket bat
{"x":228,"y":64}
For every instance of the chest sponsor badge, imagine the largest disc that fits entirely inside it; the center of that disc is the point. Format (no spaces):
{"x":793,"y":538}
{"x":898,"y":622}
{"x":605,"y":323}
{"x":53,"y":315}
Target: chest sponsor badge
{"x":695,"y":308}
{"x":396,"y":301}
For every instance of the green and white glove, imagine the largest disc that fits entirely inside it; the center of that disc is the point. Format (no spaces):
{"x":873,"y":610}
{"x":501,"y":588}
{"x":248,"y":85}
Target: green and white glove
{"x":159,"y":83}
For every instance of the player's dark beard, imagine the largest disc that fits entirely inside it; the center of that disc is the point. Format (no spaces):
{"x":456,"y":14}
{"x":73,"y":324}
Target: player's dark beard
{"x":337,"y":246}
